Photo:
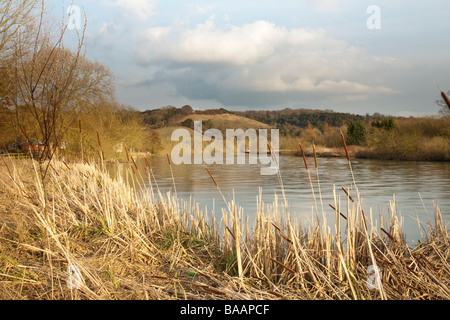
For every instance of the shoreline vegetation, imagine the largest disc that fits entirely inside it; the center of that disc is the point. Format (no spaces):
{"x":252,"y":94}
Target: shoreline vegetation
{"x":131,"y":243}
{"x":371,"y":136}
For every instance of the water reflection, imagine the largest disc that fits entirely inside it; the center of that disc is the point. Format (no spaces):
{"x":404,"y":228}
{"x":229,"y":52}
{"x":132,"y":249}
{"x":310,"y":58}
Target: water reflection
{"x":378,"y":182}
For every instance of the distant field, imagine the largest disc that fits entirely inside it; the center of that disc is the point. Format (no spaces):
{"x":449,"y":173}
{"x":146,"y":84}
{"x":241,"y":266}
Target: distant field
{"x":228,"y":121}
{"x":219,"y":121}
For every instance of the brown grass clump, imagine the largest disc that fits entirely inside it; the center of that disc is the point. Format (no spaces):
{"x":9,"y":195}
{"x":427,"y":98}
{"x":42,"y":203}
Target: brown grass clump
{"x":132,"y":243}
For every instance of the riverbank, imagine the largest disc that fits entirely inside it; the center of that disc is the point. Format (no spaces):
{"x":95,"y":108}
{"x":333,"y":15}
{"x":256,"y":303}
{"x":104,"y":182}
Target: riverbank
{"x":324,"y":152}
{"x":140,"y":244}
{"x":361,"y":152}
{"x":412,"y":139}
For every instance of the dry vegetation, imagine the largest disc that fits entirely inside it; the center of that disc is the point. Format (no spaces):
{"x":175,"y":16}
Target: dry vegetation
{"x":424,"y":139}
{"x":413,"y":139}
{"x":133,"y":243}
{"x":55,"y":97}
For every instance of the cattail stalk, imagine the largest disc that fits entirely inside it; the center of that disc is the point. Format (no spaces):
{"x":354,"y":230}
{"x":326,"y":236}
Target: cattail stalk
{"x":303,"y":155}
{"x":332,"y":207}
{"x":220,"y":191}
{"x":345,"y":146}
{"x":447,"y":101}
{"x":173,"y":179}
{"x":284,"y":266}
{"x":270,"y":149}
{"x":134,"y":163}
{"x":149,"y":168}
{"x":372,"y":257}
{"x":225,"y":220}
{"x":318,"y":180}
{"x":102,"y":154}
{"x":324,"y":217}
{"x":237,"y":231}
{"x":81,"y":140}
{"x":309,"y":177}
{"x":126,"y":152}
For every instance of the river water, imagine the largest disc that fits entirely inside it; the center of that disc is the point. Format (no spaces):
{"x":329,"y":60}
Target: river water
{"x":415,"y":187}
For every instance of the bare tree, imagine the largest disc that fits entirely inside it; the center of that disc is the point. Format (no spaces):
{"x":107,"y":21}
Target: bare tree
{"x":13,"y":14}
{"x":45,"y":84}
{"x":47,"y":81}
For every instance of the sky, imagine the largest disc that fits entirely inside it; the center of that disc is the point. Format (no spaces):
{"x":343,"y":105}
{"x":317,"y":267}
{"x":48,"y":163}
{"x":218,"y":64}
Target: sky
{"x":355,"y":56}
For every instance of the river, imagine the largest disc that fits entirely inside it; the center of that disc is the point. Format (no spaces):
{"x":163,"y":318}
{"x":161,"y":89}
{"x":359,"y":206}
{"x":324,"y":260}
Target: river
{"x":416,"y":187}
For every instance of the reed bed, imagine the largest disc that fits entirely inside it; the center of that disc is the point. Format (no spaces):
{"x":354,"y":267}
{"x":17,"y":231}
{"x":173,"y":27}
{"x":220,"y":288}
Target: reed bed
{"x":130,"y":242}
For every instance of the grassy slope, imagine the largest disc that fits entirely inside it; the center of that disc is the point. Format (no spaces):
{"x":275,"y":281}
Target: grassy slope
{"x":288,"y":144}
{"x":228,"y":121}
{"x":219,"y":121}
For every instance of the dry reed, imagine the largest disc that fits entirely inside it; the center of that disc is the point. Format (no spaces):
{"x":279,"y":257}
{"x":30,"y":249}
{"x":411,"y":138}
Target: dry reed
{"x":129,"y":244}
{"x":444,"y":96}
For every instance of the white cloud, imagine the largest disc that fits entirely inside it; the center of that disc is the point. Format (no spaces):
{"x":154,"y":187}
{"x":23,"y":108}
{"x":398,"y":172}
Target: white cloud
{"x":323,"y":5}
{"x":137,"y":9}
{"x":264,"y":57}
{"x":206,"y":43}
{"x":202,"y":9}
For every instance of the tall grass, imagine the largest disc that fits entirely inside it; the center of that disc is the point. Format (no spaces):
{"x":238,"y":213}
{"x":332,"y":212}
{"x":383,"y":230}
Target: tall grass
{"x":414,"y":139}
{"x":138,"y":243}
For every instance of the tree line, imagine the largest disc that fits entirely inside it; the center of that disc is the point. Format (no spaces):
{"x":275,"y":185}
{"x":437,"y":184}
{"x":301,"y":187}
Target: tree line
{"x":379,"y":136}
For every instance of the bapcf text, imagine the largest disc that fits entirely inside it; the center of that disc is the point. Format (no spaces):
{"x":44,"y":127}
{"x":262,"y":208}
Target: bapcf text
{"x":246,"y":309}
{"x":227,"y":309}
